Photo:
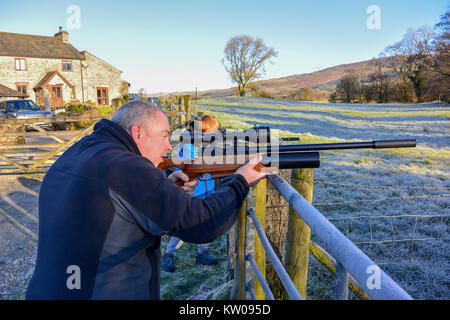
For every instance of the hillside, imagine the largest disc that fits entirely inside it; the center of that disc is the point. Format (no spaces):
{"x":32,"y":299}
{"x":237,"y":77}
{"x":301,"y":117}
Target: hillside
{"x":324,"y":79}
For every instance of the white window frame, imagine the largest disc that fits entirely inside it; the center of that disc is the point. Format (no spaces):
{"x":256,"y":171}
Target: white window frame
{"x":20,"y":64}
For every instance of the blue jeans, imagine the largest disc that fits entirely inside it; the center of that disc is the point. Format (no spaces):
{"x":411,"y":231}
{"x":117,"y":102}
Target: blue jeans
{"x":175,"y":244}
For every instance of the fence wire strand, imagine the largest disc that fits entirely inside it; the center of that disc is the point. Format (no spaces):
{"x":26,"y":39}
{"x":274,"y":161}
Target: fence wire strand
{"x":372,"y":186}
{"x":416,"y":216}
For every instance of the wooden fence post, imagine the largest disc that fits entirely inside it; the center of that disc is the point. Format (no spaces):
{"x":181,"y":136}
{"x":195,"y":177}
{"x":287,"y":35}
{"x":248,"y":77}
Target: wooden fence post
{"x":260,"y":254}
{"x":187,"y":107}
{"x":116,"y":103}
{"x":298,"y":239}
{"x":277,"y":216}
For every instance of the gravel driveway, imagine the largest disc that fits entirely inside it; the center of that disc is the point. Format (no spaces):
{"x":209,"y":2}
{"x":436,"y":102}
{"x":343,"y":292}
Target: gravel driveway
{"x":18,"y":232}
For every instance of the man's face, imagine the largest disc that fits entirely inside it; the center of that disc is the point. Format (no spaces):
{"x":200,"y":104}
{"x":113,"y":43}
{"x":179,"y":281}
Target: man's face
{"x":153,"y":142}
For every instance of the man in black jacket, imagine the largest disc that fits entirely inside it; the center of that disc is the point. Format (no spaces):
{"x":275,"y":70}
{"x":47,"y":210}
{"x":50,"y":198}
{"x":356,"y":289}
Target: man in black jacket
{"x":104,"y":205}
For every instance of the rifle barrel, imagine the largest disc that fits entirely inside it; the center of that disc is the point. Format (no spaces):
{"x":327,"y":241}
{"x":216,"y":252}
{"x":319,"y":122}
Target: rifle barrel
{"x":380,"y":144}
{"x":411,"y":143}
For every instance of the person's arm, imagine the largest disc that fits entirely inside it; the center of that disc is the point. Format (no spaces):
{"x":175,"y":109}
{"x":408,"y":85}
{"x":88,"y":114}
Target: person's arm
{"x":159,"y":206}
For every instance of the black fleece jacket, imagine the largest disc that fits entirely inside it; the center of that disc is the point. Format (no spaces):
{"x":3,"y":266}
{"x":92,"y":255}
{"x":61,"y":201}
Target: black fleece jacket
{"x":102,"y":211}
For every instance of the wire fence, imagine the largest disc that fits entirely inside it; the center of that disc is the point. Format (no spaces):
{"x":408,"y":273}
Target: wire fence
{"x":403,"y":226}
{"x":391,"y":218}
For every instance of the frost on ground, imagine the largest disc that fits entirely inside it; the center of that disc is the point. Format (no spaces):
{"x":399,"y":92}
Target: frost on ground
{"x":394,"y":204}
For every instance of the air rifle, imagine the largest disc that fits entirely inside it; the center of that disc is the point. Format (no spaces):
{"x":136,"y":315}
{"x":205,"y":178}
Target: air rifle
{"x":221,"y":162}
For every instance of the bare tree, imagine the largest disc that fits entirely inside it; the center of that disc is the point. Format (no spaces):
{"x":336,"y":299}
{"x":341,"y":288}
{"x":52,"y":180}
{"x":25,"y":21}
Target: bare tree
{"x":142,"y":93}
{"x":441,"y":58}
{"x":411,"y":57}
{"x":379,"y":80}
{"x":361,"y":86}
{"x":245,"y":59}
{"x":347,"y":87}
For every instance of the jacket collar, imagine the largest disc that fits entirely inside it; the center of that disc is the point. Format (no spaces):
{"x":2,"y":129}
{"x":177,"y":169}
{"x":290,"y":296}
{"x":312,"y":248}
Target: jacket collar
{"x":107,"y":128}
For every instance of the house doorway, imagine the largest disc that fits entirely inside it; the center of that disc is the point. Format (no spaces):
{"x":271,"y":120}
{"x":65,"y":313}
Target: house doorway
{"x":57,"y":96}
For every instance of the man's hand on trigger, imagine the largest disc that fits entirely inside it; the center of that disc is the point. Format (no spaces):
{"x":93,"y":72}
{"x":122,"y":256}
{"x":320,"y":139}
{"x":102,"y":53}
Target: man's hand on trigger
{"x":189,"y":186}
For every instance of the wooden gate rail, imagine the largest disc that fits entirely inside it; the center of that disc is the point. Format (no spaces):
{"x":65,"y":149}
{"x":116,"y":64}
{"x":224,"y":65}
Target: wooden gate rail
{"x":52,"y":120}
{"x":34,"y":164}
{"x":330,"y":263}
{"x":45,"y":132}
{"x":72,"y":119}
{"x":61,"y":147}
{"x":7,"y":152}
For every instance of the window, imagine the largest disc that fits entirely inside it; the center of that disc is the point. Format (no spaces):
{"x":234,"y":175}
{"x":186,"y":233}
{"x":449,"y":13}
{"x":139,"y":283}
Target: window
{"x":20,"y":64}
{"x":67,"y":65}
{"x":22,"y":89}
{"x":56,"y":91}
{"x":102,"y":96}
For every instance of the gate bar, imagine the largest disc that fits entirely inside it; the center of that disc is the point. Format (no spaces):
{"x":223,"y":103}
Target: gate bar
{"x":341,"y":282}
{"x":278,"y":266}
{"x":260,"y":278}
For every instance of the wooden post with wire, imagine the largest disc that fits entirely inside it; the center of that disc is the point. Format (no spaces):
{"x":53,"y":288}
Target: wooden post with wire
{"x":299,"y":233}
{"x":260,"y":254}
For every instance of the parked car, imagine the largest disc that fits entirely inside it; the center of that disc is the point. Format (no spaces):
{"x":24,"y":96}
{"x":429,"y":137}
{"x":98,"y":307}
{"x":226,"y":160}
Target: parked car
{"x":25,"y":109}
{"x":133,"y":96}
{"x":155,"y":100}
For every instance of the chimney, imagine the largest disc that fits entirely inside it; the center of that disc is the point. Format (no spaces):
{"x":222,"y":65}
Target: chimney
{"x":63,"y":35}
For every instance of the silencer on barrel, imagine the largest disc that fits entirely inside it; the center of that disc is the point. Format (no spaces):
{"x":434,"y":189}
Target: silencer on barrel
{"x":292,"y":160}
{"x":411,"y":143}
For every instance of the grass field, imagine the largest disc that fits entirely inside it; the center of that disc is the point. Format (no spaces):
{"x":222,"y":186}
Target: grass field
{"x":394,"y":204}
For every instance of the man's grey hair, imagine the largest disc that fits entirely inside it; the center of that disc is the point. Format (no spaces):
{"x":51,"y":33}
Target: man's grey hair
{"x":135,"y":112}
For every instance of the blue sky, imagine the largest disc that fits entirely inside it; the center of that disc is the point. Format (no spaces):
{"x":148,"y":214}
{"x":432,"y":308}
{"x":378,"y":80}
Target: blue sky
{"x":178,"y":45}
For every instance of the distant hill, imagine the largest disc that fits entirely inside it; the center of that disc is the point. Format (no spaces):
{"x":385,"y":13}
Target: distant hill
{"x":325,"y":79}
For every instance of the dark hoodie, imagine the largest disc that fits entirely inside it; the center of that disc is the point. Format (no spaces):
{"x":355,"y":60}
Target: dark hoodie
{"x":102,"y":211}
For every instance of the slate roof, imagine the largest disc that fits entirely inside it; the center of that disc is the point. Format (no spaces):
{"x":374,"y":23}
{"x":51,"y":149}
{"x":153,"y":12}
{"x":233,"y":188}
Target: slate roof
{"x":8,"y":92}
{"x":32,"y":46}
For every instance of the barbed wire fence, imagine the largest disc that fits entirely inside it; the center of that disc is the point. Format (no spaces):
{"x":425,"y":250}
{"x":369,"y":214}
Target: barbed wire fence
{"x":402,"y":233}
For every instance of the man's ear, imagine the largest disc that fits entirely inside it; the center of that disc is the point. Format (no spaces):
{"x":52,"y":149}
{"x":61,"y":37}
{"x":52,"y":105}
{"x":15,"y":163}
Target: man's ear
{"x":136,"y":132}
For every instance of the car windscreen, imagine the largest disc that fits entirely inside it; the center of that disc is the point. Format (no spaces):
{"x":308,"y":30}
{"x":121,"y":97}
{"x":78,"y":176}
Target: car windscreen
{"x":12,"y":106}
{"x":31,"y":105}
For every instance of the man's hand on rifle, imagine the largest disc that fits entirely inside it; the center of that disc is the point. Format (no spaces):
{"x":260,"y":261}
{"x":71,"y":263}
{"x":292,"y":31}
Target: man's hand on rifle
{"x":249,"y":173}
{"x":189,"y":186}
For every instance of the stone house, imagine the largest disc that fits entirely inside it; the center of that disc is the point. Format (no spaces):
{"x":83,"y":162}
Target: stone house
{"x":8,"y":93}
{"x":52,"y":72}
